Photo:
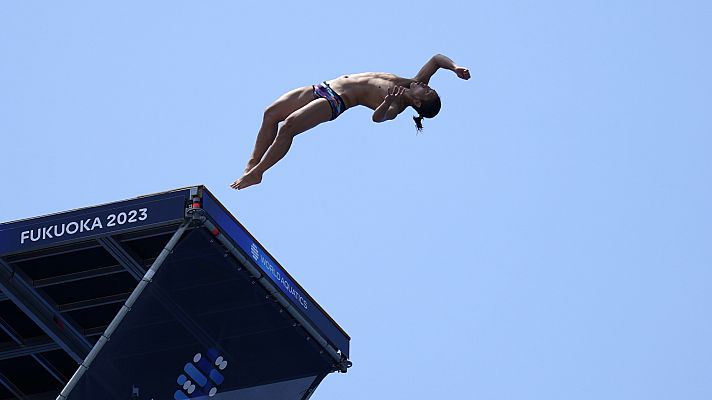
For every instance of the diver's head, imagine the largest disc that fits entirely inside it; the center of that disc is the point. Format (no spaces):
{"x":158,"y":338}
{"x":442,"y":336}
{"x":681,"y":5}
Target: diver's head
{"x":425,"y":101}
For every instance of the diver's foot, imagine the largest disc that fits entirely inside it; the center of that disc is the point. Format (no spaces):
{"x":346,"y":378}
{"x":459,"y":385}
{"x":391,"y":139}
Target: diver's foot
{"x":247,"y":180}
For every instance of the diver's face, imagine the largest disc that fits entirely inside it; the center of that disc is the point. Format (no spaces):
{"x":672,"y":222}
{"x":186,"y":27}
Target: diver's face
{"x":420,"y":90}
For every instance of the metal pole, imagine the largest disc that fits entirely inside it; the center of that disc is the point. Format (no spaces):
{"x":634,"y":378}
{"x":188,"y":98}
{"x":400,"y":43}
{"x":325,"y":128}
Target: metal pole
{"x":122,"y":313}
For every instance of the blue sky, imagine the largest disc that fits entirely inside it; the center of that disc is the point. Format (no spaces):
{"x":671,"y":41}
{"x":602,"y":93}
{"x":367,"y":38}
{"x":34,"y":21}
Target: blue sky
{"x":546,"y":237}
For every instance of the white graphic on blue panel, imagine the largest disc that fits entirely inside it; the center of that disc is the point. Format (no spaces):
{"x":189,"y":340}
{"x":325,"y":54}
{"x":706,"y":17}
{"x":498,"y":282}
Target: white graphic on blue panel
{"x":201,"y":377}
{"x":255,"y":252}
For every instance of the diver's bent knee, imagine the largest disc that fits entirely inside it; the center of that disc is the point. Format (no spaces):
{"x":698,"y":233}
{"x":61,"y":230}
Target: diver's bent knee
{"x":272,"y":115}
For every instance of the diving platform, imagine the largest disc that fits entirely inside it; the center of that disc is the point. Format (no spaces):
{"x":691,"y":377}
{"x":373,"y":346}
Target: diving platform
{"x":164,"y":296}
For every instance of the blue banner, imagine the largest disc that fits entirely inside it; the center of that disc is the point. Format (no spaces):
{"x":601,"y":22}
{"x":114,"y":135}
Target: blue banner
{"x":92,"y":222}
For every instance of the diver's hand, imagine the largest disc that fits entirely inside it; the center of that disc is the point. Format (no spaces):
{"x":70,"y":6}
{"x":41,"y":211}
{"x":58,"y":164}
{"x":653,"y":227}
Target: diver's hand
{"x":462,"y":72}
{"x":393,"y":93}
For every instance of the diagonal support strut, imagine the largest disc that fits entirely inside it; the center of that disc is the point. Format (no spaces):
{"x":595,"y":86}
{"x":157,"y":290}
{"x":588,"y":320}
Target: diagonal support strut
{"x":18,"y":288}
{"x":145,"y":280}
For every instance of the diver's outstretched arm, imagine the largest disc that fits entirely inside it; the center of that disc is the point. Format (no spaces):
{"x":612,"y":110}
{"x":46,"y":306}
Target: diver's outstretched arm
{"x":440,"y":61}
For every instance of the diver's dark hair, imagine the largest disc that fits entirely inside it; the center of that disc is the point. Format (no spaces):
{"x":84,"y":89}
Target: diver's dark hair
{"x":428,"y":109}
{"x":418,"y":123}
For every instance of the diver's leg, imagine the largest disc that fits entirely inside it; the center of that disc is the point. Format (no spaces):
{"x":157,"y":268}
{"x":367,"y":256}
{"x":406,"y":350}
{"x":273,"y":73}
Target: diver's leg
{"x":305,"y":118}
{"x":273,"y":115}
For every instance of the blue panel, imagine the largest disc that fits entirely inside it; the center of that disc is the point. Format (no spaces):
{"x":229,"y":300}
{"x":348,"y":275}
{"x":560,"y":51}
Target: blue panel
{"x":200,"y":327}
{"x":292,"y":291}
{"x":92,"y":222}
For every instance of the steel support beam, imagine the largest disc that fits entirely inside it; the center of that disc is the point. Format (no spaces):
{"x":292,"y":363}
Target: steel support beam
{"x":18,"y":288}
{"x":100,"y":301}
{"x":37,"y":357}
{"x":122,"y":256}
{"x":28,"y":349}
{"x":78,"y":276}
{"x":12,"y":388}
{"x":73,"y":277}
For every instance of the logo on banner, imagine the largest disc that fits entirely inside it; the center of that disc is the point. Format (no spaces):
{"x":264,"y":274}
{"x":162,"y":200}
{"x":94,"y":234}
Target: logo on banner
{"x":278,"y":276}
{"x":255,"y":252}
{"x":201,"y":378}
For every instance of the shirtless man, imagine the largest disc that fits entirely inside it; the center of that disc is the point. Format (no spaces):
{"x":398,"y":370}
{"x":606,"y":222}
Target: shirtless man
{"x":304,"y":108}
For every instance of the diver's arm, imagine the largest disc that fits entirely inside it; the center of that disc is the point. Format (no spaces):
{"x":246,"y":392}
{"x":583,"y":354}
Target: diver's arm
{"x":440,"y":61}
{"x":388,"y":110}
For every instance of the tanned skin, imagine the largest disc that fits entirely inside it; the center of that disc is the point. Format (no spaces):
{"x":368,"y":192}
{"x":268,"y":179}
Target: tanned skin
{"x":387,"y":94}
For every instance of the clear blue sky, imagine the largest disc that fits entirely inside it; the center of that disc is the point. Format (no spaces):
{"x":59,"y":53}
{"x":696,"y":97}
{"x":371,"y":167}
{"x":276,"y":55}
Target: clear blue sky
{"x":548,"y":236}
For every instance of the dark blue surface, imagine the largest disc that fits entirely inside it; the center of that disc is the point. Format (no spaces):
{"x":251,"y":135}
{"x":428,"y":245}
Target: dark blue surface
{"x":202,"y":325}
{"x":92,"y":222}
{"x":262,"y":260}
